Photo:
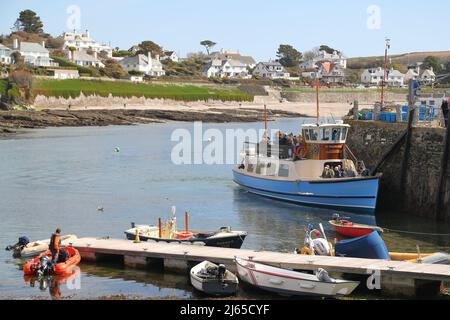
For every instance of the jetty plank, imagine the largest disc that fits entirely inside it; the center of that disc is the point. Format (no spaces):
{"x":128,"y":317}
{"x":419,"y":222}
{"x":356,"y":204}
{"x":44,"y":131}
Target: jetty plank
{"x":195,"y":253}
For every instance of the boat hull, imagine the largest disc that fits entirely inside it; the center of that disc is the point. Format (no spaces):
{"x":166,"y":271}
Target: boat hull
{"x":358,"y":194}
{"x":214,"y":287}
{"x":293,"y":284}
{"x":233,"y":241}
{"x":367,"y":247}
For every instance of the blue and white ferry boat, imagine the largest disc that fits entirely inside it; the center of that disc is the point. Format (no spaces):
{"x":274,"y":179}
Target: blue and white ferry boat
{"x":302,"y":179}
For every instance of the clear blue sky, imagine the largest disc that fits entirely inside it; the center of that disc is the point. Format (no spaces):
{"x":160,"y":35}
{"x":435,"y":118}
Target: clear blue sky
{"x":253,"y":27}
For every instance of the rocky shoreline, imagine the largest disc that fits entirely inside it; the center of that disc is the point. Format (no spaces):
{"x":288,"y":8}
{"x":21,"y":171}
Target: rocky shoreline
{"x":12,"y":122}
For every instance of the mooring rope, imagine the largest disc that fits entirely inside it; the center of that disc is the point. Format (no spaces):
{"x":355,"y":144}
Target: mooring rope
{"x":418,"y":233}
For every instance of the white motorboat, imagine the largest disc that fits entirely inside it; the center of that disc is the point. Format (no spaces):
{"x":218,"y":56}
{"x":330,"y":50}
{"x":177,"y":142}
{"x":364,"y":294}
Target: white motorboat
{"x":292,"y":283}
{"x":32,"y":249}
{"x":214,"y":279}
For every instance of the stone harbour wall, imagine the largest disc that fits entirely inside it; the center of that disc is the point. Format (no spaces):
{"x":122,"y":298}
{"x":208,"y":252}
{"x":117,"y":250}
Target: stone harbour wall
{"x":370,"y":140}
{"x":363,"y":97}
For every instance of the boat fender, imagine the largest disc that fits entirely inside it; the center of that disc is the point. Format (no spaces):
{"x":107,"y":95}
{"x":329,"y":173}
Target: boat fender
{"x":323,"y":276}
{"x":306,"y":251}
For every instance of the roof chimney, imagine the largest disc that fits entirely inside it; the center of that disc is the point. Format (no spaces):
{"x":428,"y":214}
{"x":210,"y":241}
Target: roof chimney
{"x":95,"y":54}
{"x":150,"y":61}
{"x":16,"y":44}
{"x":87,"y":34}
{"x":43,"y":44}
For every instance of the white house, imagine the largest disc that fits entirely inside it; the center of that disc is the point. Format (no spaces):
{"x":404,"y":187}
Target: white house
{"x":170,"y":55}
{"x":34,"y":54}
{"x":428,"y":77}
{"x":271,"y":70}
{"x":375,"y":77}
{"x":336,"y":58}
{"x":248,"y":61}
{"x":413,"y":73}
{"x":83,"y":41}
{"x":82,"y":58}
{"x":146,"y":64}
{"x":5,"y":54}
{"x":228,"y":68}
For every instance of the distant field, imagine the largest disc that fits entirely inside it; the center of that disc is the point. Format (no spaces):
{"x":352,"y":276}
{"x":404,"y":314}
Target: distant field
{"x":72,"y":88}
{"x":405,"y":59}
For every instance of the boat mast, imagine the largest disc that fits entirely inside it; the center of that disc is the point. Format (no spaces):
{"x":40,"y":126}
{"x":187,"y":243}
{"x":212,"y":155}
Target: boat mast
{"x":383,"y":83}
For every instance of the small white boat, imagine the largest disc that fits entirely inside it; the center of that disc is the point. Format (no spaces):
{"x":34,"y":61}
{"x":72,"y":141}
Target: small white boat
{"x":214,"y":279}
{"x":35,"y":248}
{"x":292,"y":283}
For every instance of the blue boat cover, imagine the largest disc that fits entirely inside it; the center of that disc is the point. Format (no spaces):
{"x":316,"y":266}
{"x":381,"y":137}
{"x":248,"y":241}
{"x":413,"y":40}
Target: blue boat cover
{"x":367,"y":247}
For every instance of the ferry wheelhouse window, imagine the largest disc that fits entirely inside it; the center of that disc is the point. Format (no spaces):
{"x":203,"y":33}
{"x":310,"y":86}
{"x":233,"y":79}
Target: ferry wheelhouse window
{"x":325,"y":134}
{"x":306,"y":134}
{"x":250,"y":167}
{"x":313,"y":135}
{"x":336,"y":136}
{"x":260,"y":167}
{"x":283,"y":171}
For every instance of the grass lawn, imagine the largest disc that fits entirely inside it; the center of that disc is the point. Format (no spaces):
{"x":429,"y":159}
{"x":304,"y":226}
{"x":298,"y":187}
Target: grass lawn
{"x":72,"y":88}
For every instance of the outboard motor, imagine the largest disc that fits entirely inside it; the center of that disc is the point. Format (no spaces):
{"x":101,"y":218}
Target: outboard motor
{"x":46,"y":266}
{"x":221,"y":272}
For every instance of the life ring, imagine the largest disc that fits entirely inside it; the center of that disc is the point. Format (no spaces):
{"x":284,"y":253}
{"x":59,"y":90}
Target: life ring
{"x":301,"y":152}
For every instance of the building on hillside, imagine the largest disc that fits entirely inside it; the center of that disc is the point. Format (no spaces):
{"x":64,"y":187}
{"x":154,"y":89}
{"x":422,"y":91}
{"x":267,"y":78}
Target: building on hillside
{"x":5,"y":54}
{"x":413,"y":73}
{"x":271,"y":70}
{"x":170,"y":55}
{"x":428,"y":77}
{"x":146,"y":64}
{"x":331,"y":73}
{"x":336,"y":58}
{"x":83,"y":42}
{"x":83,"y":59}
{"x":223,"y":55}
{"x":64,"y":74}
{"x":134,"y":49}
{"x":228,"y":68}
{"x":34,"y":54}
{"x":374,"y":77}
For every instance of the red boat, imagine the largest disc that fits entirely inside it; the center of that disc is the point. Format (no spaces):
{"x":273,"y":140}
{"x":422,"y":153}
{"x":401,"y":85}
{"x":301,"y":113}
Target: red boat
{"x":33,"y":267}
{"x":353,"y":230}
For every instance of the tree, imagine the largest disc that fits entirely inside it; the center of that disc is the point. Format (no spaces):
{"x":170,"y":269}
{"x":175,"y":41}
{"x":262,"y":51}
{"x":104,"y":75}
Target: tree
{"x":328,"y":49}
{"x":288,"y":55}
{"x":208,"y":44}
{"x":150,"y":46}
{"x":432,"y":62}
{"x":29,"y":21}
{"x":113,"y":70}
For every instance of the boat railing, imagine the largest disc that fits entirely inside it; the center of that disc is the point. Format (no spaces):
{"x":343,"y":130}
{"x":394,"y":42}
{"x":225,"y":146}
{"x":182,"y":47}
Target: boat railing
{"x":268,"y":150}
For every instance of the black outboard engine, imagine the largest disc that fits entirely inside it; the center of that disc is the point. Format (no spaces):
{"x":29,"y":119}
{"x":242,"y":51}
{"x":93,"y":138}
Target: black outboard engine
{"x":18,"y":247}
{"x":46,"y":267}
{"x":221,"y":273}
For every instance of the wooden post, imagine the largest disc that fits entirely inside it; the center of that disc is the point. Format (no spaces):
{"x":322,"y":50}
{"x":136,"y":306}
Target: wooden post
{"x":356,"y":109}
{"x":406,"y":153}
{"x":160,"y":227}
{"x":398,"y":110}
{"x":440,"y":212}
{"x":186,"y":217}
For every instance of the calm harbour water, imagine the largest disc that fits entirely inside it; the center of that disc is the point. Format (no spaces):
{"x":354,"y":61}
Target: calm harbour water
{"x":58,"y":177}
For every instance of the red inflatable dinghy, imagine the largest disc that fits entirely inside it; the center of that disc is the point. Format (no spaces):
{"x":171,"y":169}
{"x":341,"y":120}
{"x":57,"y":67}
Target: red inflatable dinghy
{"x":61,"y":268}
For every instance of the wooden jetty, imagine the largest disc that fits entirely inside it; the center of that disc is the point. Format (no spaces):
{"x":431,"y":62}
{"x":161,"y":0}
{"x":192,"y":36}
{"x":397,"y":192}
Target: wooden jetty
{"x":396,"y":277}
